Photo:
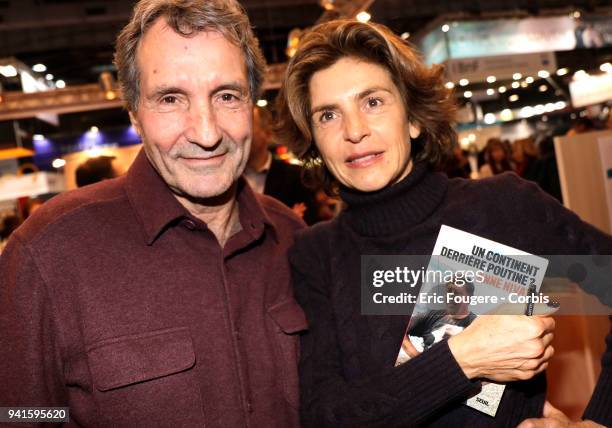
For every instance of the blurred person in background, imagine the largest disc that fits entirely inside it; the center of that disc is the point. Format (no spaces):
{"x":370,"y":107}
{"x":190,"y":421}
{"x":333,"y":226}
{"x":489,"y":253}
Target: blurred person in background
{"x":274,"y":177}
{"x":94,"y":170}
{"x":8,"y":225}
{"x":496,"y":157}
{"x":457,"y":164}
{"x":546,"y":171}
{"x":525,"y":156}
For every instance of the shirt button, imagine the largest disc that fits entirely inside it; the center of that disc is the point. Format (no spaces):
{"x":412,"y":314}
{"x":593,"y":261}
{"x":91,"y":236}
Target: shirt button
{"x":189,"y":224}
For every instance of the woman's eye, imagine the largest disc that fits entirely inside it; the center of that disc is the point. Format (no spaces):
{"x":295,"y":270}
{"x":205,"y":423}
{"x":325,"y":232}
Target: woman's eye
{"x":374,"y":102}
{"x":326,"y":116}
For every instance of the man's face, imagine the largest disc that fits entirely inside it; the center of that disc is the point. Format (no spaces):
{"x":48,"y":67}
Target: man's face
{"x":195,"y":111}
{"x":360,"y":125}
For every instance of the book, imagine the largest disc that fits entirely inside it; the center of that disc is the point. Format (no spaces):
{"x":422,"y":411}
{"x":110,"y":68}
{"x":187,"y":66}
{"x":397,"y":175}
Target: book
{"x":469,"y":276}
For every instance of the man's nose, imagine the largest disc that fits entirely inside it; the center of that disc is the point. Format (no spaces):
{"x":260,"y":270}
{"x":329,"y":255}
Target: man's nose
{"x":203,"y":128}
{"x":356,"y":127}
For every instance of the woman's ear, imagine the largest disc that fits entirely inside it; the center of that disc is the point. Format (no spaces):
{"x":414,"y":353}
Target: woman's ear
{"x":414,"y":130}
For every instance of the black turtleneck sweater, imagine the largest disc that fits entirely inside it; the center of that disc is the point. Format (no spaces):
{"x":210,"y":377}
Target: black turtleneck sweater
{"x":347,"y":373}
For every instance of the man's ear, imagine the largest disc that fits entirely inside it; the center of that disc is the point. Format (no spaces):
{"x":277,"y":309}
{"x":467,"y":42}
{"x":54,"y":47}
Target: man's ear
{"x":414,"y":130}
{"x":135,"y":123}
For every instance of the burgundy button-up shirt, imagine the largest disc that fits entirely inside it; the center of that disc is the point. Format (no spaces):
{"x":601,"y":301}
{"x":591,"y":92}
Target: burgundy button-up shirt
{"x":118,"y":303}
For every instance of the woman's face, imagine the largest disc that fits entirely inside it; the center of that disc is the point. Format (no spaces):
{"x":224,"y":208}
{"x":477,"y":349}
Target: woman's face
{"x":360,"y":125}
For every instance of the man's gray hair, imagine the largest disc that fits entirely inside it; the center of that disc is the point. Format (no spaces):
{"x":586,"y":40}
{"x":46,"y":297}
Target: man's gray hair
{"x":186,"y":17}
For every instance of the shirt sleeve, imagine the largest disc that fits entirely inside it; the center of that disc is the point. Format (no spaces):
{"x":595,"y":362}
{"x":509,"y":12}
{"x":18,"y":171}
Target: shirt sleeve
{"x":395,"y":396}
{"x":31,"y":369}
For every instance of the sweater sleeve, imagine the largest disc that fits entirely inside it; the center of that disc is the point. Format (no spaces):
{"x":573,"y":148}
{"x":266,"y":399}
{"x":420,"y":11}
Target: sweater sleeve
{"x":395,"y":396}
{"x":31,"y":369}
{"x":573,"y":236}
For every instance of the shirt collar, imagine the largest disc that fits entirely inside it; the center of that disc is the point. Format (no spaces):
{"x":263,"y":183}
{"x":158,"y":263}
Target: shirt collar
{"x":156,"y":206}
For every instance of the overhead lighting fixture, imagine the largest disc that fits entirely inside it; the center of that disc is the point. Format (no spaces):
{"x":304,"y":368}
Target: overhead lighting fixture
{"x":606,"y":67}
{"x":327,"y":4}
{"x":562,"y":71}
{"x":543,"y":74}
{"x":581,"y":74}
{"x":526,"y":111}
{"x":506,"y":115}
{"x":560,"y":105}
{"x":489,"y":118}
{"x":363,"y":16}
{"x":472,"y":137}
{"x":464,"y":82}
{"x":445,"y":28}
{"x":502,"y":89}
{"x":405,"y":35}
{"x":576,"y":14}
{"x":49,"y":76}
{"x":58,"y":163}
{"x":94,"y":130}
{"x":262,"y":103}
{"x":517,"y":76}
{"x":38,"y":137}
{"x":8,"y":70}
{"x":539,"y":109}
{"x":449,"y":85}
{"x":513,"y":98}
{"x":490,"y":91}
{"x":60,"y":84}
{"x":543,"y":88}
{"x":529,"y":79}
{"x":491,"y":79}
{"x":467,"y":94}
{"x":39,"y":68}
{"x":524,"y":84}
{"x":515,"y":85}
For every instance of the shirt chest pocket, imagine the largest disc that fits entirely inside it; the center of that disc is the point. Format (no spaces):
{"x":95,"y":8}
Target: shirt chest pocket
{"x":146,"y":377}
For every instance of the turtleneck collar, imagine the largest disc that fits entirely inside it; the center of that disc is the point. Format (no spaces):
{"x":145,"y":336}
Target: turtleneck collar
{"x":395,"y":208}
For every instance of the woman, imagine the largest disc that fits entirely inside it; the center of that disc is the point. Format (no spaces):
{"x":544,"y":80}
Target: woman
{"x":358,"y":104}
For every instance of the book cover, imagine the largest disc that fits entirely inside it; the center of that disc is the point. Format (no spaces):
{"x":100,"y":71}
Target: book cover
{"x":470,"y":276}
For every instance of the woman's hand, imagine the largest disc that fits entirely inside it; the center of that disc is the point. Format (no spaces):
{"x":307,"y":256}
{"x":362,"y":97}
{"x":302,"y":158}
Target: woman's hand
{"x":504,"y":348}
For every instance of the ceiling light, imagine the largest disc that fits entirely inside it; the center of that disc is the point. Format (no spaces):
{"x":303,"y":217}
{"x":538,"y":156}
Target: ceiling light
{"x":490,"y":91}
{"x":543,"y":88}
{"x":529,"y":79}
{"x":60,"y":84}
{"x":580,"y":74}
{"x":464,"y":82}
{"x":502,"y":89}
{"x":363,"y":16}
{"x":58,"y":163}
{"x":543,"y":74}
{"x":562,"y":71}
{"x":94,"y":130}
{"x":576,"y":14}
{"x":489,"y":118}
{"x":38,"y":137}
{"x":515,"y":85}
{"x":506,"y":115}
{"x":8,"y":71}
{"x":606,"y":67}
{"x":513,"y":98}
{"x":524,"y":84}
{"x":405,"y":35}
{"x":491,"y":79}
{"x":467,"y":94}
{"x":450,"y":85}
{"x":49,"y":76}
{"x":39,"y":68}
{"x":517,"y":76}
{"x":262,"y":103}
{"x":445,"y":28}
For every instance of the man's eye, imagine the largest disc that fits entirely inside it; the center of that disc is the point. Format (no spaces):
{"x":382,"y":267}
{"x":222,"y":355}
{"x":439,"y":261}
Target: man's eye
{"x":228,"y":97}
{"x":169,"y":99}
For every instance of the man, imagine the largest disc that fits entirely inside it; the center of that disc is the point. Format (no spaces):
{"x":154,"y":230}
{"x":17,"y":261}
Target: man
{"x":274,"y":177}
{"x":162,"y":298}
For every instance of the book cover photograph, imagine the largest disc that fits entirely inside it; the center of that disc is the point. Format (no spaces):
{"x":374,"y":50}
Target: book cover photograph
{"x":469,"y":276}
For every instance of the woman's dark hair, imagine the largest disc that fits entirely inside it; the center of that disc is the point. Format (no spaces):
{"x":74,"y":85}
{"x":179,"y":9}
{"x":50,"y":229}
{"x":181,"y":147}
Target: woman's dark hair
{"x":427,"y":101}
